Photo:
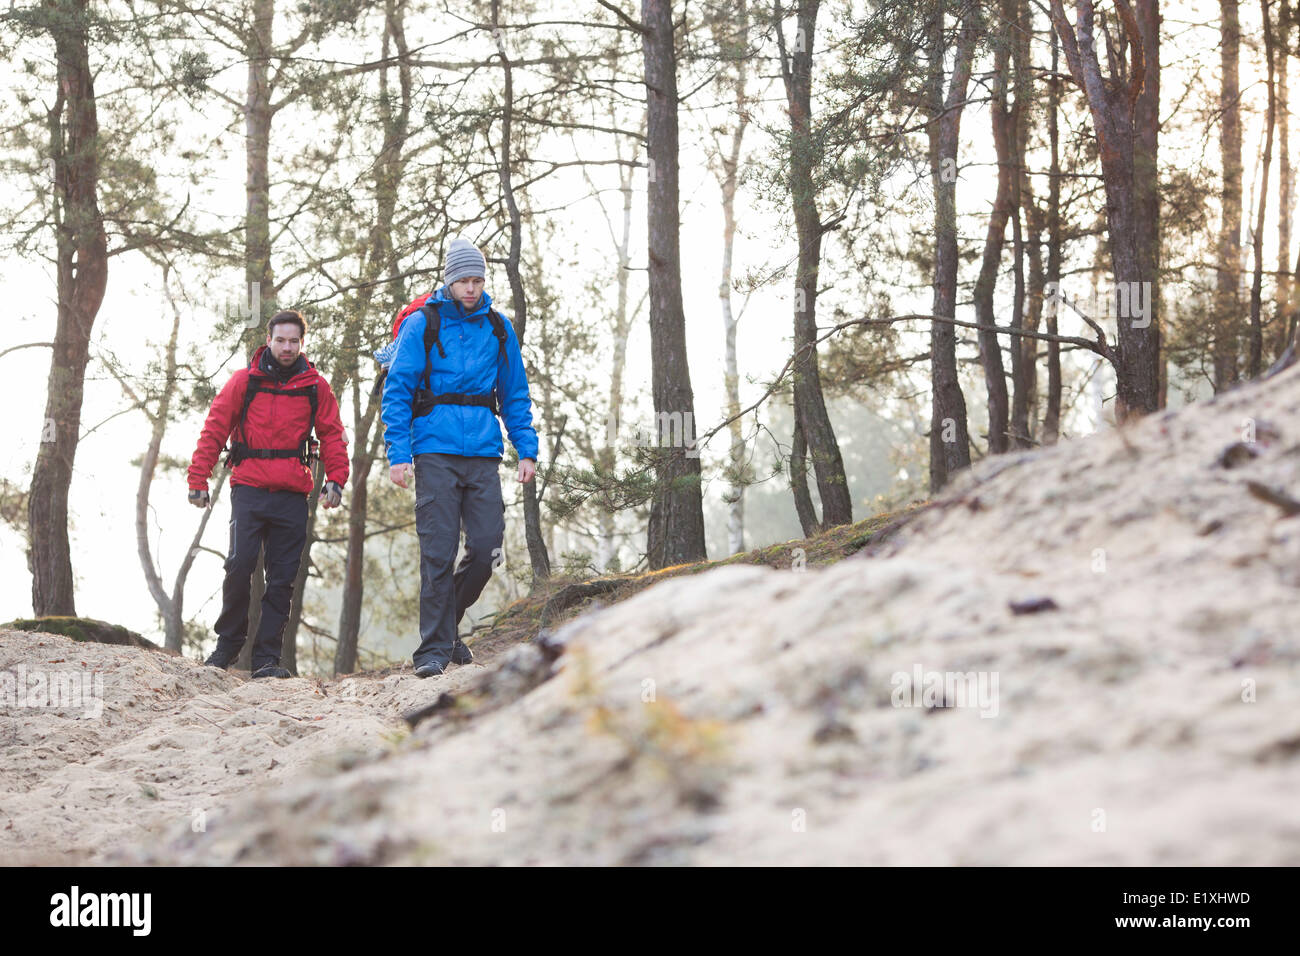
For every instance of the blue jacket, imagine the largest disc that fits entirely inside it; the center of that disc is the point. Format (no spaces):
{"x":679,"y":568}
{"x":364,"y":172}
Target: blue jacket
{"x":473,"y":366}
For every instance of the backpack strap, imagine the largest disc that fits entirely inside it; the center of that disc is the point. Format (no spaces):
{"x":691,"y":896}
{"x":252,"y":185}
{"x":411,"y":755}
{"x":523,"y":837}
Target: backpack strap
{"x":250,"y":391}
{"x":499,"y":330}
{"x":432,"y":337}
{"x":309,"y":448}
{"x":239,"y":448}
{"x":311,"y":397}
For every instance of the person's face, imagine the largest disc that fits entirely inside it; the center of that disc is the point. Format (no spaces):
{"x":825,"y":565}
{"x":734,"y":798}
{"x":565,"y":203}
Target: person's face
{"x":284,"y":341}
{"x":467,"y":291}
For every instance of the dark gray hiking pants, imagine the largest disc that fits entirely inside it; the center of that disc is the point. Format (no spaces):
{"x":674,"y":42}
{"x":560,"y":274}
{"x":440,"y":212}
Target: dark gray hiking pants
{"x":449,"y":490}
{"x":276,"y":521}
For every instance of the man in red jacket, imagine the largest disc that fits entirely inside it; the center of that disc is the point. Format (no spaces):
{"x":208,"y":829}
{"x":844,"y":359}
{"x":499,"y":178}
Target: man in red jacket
{"x":270,"y":409}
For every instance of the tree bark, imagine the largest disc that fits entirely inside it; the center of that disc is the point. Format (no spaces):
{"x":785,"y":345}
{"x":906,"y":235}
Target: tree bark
{"x":364,"y":451}
{"x":257,"y":591}
{"x":730,"y":163}
{"x":676,"y":531}
{"x":1227,"y":304}
{"x":258,"y":114}
{"x":1052,"y":413}
{"x":1003,"y":122}
{"x":257,"y":230}
{"x":949,"y":439}
{"x":389,"y":168}
{"x":1125,"y":115}
{"x":606,"y":456}
{"x":538,"y":557}
{"x":1286,"y":182}
{"x":1256,"y":342}
{"x":803,"y":503}
{"x":172,"y":623}
{"x":1142,"y":354}
{"x":82,"y":275}
{"x":1028,"y":300}
{"x":809,"y":403}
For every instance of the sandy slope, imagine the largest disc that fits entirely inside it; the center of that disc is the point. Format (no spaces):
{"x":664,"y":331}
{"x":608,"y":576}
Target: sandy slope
{"x":748,"y":715}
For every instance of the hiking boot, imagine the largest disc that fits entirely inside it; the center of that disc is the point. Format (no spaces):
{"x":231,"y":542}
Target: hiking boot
{"x":432,"y":669}
{"x":221,"y":658}
{"x":460,"y":653}
{"x":271,"y":670}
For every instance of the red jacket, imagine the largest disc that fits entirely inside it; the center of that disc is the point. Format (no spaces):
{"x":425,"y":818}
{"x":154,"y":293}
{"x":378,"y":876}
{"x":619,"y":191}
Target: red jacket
{"x":274,"y":421}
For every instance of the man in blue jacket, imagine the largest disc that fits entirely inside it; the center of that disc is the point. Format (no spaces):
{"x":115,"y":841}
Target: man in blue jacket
{"x":440,"y":412}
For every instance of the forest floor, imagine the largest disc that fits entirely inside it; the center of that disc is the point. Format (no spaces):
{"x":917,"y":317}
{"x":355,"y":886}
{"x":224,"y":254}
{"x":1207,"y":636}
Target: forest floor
{"x":1086,"y":653}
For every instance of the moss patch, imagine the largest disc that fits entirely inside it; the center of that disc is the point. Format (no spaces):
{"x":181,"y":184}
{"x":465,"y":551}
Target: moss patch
{"x":82,"y":629}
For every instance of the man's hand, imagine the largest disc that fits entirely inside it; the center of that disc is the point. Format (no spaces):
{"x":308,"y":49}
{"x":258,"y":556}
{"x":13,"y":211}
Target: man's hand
{"x":527,"y":469}
{"x":199,"y":497}
{"x":331,"y":494}
{"x":400,"y":474}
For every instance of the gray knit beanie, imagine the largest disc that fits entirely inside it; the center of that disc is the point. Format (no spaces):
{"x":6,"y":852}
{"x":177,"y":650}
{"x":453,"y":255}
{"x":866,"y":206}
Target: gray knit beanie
{"x":463,"y":261}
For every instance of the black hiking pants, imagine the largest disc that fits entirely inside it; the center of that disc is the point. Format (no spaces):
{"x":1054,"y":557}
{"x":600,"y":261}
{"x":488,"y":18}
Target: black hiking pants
{"x":451,"y":490}
{"x":278,"y":521}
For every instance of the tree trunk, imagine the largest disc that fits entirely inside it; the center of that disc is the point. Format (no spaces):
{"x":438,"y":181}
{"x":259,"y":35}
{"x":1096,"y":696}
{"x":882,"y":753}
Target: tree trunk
{"x":172,"y":624}
{"x":1142,"y":348}
{"x":949,"y":440}
{"x":1227,"y":305}
{"x":538,"y":556}
{"x":257,"y":151}
{"x":174,"y":618}
{"x":1028,"y":302}
{"x":676,"y":531}
{"x":738,"y":32}
{"x":1019,"y":410}
{"x":82,"y":275}
{"x":1286,"y":183}
{"x":364,"y":451}
{"x":1052,"y":415}
{"x":803,"y":503}
{"x":1256,"y":353}
{"x":257,"y":230}
{"x":1024,"y":412}
{"x":606,"y":457}
{"x":809,"y":403}
{"x":257,"y":591}
{"x":1125,"y":116}
{"x":388,"y":171}
{"x":1003,"y":122}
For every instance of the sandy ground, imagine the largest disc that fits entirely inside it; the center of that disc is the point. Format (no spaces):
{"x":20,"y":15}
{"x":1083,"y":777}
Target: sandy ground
{"x":1148,"y":713}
